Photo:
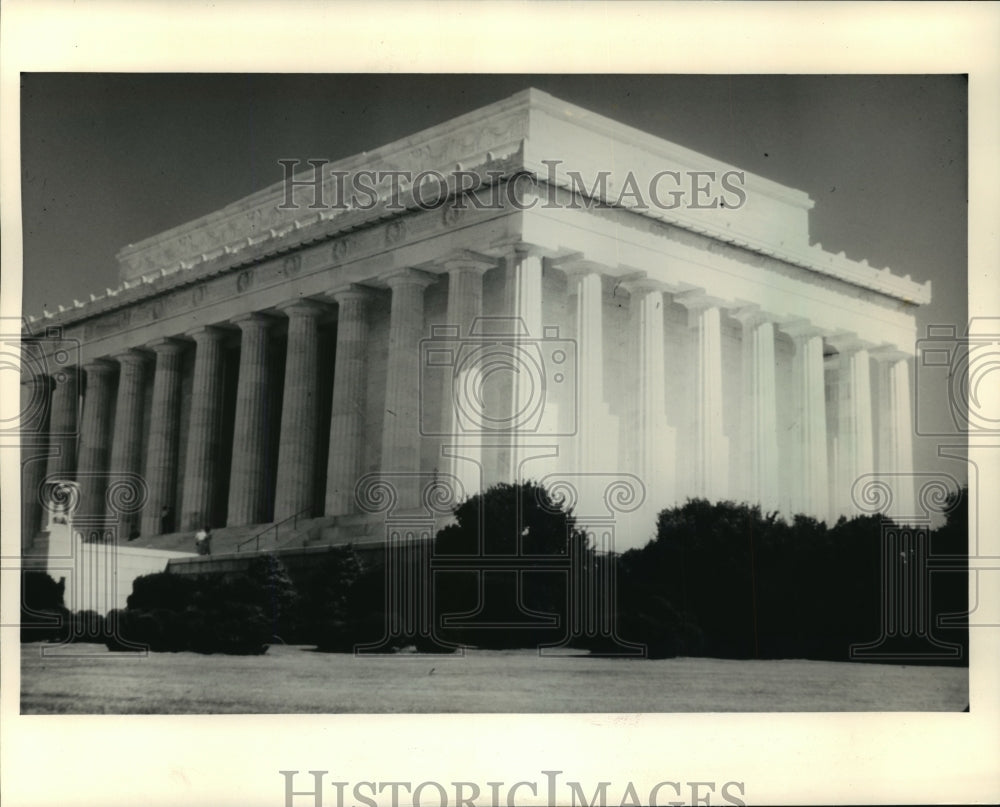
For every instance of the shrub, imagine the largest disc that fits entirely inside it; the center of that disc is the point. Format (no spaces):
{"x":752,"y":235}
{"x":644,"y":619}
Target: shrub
{"x":342,"y":602}
{"x":237,"y":629}
{"x":162,"y":590}
{"x":271,"y":589}
{"x":759,"y":587}
{"x":654,"y":623}
{"x":208,"y":614}
{"x":43,"y":615}
{"x":88,"y":626}
{"x":511,"y":609}
{"x":120,"y":631}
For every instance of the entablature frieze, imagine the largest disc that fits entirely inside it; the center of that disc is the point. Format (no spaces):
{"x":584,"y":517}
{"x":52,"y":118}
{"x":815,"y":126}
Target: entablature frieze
{"x":800,"y":257}
{"x":429,"y":246}
{"x":294,"y":257}
{"x":360,"y":257}
{"x":683,"y":265}
{"x":458,"y":150}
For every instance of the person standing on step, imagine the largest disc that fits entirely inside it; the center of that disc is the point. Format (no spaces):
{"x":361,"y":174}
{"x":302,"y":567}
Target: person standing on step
{"x":203,"y":541}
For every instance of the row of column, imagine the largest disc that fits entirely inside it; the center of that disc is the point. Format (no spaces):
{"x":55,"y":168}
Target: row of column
{"x":653,"y":453}
{"x":818,"y":489}
{"x":99,"y":451}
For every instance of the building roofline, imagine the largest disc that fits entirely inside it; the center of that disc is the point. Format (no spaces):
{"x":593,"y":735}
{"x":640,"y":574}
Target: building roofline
{"x":471,"y":127}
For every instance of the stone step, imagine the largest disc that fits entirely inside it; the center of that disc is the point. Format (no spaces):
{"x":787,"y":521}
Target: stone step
{"x":306,"y":533}
{"x":224,"y":539}
{"x":300,"y":562}
{"x":356,"y":528}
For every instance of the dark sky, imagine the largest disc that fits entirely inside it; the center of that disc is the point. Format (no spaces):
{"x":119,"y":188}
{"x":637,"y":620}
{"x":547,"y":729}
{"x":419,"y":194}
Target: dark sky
{"x":110,"y":159}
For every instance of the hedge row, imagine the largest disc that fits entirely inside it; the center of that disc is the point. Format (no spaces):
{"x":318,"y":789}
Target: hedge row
{"x":238,"y":629}
{"x":721,"y":580}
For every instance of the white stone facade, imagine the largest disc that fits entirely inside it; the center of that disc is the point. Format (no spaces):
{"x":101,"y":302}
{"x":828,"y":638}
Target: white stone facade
{"x":255,"y":363}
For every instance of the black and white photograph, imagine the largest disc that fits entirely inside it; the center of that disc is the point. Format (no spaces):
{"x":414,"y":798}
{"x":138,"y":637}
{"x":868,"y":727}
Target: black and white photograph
{"x":346,"y":395}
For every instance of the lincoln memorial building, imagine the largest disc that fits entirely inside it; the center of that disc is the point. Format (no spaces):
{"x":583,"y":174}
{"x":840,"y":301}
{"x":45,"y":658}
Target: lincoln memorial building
{"x":528,"y":291}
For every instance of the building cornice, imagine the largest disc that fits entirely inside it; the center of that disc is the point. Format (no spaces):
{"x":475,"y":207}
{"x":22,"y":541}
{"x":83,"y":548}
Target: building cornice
{"x":500,"y":139}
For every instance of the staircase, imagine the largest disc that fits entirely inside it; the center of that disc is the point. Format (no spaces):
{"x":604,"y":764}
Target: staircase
{"x":298,"y":544}
{"x":234,"y":547}
{"x":357,"y":528}
{"x":224,"y":539}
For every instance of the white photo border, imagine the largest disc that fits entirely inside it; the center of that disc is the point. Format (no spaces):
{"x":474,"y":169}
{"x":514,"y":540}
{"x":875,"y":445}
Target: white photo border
{"x":782,"y":758}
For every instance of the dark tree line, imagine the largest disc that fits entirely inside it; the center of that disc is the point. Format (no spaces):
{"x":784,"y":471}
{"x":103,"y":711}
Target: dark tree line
{"x":760,"y":587}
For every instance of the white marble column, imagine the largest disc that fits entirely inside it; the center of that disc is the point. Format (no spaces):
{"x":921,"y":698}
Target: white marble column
{"x":248,"y":493}
{"x":596,"y":443}
{"x":524,"y":288}
{"x":854,"y":435}
{"x":463,"y":452}
{"x":126,"y":445}
{"x":64,"y":423}
{"x":159,"y":514}
{"x":895,"y":430}
{"x":759,"y":429}
{"x":34,"y":411}
{"x":811,"y":493}
{"x":654,"y":441}
{"x":524,"y":306}
{"x":401,"y":427}
{"x":297,"y":452}
{"x":585,"y":284}
{"x":204,"y":430}
{"x":95,"y":437}
{"x":347,"y":420}
{"x":711,"y":443}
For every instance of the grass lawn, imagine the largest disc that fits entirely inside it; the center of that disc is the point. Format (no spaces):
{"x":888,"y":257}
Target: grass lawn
{"x":290,"y":680}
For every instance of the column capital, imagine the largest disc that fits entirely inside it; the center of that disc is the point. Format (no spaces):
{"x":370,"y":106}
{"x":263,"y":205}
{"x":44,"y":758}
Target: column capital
{"x":353,"y":292}
{"x":750,"y":316}
{"x":409,"y":277}
{"x":206,"y":331}
{"x":640,"y":283}
{"x":166,"y":346}
{"x":99,"y":367}
{"x":258,"y":318}
{"x":135,"y":357}
{"x":889,"y":353}
{"x":302,"y":306}
{"x":466,"y":259}
{"x":800,"y":328}
{"x":519,"y":250}
{"x":699,"y":300}
{"x":478,"y":266}
{"x":576,"y":267}
{"x":848,"y":342}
